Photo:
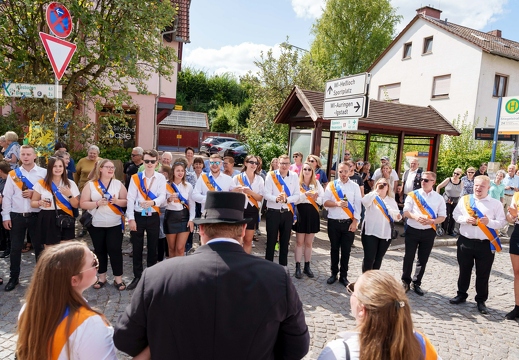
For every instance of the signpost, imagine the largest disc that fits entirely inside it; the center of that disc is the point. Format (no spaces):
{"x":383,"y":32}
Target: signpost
{"x":347,"y":86}
{"x":344,"y":125}
{"x":345,"y":108}
{"x":59,"y":20}
{"x":509,"y":115}
{"x":38,"y":91}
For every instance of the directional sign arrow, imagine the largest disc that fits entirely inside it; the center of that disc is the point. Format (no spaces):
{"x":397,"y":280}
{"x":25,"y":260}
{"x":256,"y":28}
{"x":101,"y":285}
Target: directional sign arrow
{"x":330,"y":90}
{"x":357,"y":107}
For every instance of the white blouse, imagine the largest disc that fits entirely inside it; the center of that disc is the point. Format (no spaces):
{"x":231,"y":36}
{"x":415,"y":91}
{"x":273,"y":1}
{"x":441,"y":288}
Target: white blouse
{"x":187,"y":192}
{"x":320,"y":192}
{"x":103,"y":216}
{"x":46,"y":194}
{"x":258,"y":186}
{"x":375,"y":223}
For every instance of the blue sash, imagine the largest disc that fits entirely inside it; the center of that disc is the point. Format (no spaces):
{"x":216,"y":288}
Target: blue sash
{"x":26,"y":181}
{"x":383,"y":206}
{"x":424,"y":204}
{"x":336,"y":184}
{"x":490,"y":233}
{"x":215,"y":185}
{"x":287,"y":191}
{"x":246,"y":182}
{"x":60,"y":196}
{"x":112,"y":206}
{"x":148,"y":192}
{"x":183,"y":200}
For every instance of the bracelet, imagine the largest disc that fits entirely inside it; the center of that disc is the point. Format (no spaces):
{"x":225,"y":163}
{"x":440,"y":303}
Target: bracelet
{"x":97,"y":202}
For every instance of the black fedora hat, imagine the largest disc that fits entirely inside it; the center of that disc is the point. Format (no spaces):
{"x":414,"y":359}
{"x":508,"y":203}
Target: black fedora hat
{"x":223,"y":207}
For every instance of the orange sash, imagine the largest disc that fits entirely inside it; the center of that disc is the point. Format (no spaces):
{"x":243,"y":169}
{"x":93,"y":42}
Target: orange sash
{"x":136,"y":180}
{"x":17,"y":181}
{"x":494,"y":239}
{"x":280,"y":189}
{"x":312,"y":201}
{"x":413,"y":195}
{"x":111,"y":206}
{"x":251,"y":199}
{"x":337,"y":198}
{"x":57,"y":201}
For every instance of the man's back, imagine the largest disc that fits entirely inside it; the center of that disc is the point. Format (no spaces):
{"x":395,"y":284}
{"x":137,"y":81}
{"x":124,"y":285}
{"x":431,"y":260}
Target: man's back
{"x":218,"y":303}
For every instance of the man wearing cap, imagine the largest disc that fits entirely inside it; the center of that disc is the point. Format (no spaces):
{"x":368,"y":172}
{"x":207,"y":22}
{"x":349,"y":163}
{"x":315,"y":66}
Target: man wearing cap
{"x":215,"y":180}
{"x":245,"y":307}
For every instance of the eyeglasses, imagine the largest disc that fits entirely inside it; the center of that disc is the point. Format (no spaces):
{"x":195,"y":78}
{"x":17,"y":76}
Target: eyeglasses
{"x":253,"y":162}
{"x":347,"y":154}
{"x":295,"y":156}
{"x":312,"y":160}
{"x":427,"y":180}
{"x":95,"y":264}
{"x":284,"y":164}
{"x":350,"y":288}
{"x":383,"y":184}
{"x":150,"y":161}
{"x":109,"y":167}
{"x":307,"y":169}
{"x":360,"y":163}
{"x":215,"y":162}
{"x":456,"y":174}
{"x":470,"y":172}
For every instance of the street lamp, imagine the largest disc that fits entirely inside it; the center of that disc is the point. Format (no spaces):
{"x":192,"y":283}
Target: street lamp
{"x":287,"y":44}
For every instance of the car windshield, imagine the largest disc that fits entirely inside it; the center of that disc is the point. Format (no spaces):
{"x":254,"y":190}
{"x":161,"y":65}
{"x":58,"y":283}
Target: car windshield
{"x":207,"y":140}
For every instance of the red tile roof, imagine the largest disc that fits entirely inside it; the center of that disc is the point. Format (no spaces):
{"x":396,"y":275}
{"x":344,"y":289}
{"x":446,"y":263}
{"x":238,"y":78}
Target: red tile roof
{"x":182,"y":34}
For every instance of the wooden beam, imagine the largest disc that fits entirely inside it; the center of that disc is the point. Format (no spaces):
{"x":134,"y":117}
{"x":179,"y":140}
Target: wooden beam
{"x":367,"y":146}
{"x":400,"y":152}
{"x":318,"y":134}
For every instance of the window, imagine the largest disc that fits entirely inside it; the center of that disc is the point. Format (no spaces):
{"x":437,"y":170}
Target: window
{"x":427,"y":45}
{"x":389,"y":93}
{"x":407,"y":50}
{"x":500,"y":83}
{"x":441,"y":86}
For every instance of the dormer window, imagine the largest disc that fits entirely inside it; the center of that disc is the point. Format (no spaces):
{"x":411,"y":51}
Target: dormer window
{"x":407,"y":50}
{"x":427,"y":45}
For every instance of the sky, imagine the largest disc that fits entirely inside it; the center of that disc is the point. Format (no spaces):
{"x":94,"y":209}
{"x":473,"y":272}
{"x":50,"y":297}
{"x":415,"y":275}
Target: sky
{"x":229,"y":35}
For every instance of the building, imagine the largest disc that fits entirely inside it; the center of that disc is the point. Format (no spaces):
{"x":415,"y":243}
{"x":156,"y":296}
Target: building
{"x":457,"y":70}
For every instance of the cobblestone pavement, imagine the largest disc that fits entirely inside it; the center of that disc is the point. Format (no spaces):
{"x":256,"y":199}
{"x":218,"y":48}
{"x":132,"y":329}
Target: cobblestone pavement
{"x":457,"y":331}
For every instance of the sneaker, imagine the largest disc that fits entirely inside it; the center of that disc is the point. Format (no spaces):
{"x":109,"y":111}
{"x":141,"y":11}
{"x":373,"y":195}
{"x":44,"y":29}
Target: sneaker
{"x":276,"y":248}
{"x":258,"y":232}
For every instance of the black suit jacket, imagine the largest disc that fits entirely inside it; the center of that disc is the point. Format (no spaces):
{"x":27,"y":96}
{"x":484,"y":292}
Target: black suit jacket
{"x":219,"y":303}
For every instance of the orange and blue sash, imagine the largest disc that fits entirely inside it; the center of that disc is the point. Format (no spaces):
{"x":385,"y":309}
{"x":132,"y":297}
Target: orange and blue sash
{"x":61,"y":335}
{"x":61,"y":201}
{"x":428,"y":351}
{"x":382,"y":207}
{"x":102,"y":190}
{"x":491,"y":234}
{"x":210,"y":183}
{"x":337,"y":193}
{"x":304,"y":189}
{"x":140,"y":182}
{"x":18,"y":178}
{"x":242,"y":178}
{"x":423,"y":206}
{"x":172,"y":188}
{"x":280,"y":184}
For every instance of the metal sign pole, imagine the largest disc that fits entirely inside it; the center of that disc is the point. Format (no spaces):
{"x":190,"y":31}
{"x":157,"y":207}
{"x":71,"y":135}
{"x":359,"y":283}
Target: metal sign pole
{"x":56,"y":118}
{"x":496,"y":130}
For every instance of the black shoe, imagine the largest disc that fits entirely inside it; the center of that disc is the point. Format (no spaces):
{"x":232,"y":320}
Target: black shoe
{"x":11,"y":284}
{"x":512,"y":315}
{"x":402,"y":235}
{"x":298,"y":273}
{"x":331,"y":279}
{"x":418,"y":290}
{"x":344,"y":281}
{"x":482,"y":308}
{"x":307,"y":270}
{"x":5,"y":254}
{"x":457,"y":300}
{"x":133,"y":284}
{"x":406,"y":286}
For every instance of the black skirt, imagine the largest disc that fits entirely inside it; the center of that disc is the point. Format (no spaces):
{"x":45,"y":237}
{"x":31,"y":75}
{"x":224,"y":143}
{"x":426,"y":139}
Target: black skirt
{"x":251,"y":212}
{"x":47,"y":230}
{"x":308,"y":220}
{"x":176,"y":221}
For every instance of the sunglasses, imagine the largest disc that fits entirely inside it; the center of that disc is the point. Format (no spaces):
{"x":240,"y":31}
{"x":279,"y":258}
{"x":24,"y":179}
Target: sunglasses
{"x":215,"y":162}
{"x":360,"y":163}
{"x":470,"y":172}
{"x":109,"y":167}
{"x":427,"y":180}
{"x":179,"y":163}
{"x":347,"y":154}
{"x":383,"y":184}
{"x":150,"y":161}
{"x":350,"y":288}
{"x":295,"y":156}
{"x":312,"y":160}
{"x":95,"y":264}
{"x":307,"y":169}
{"x":253,"y":162}
{"x":457,"y":174}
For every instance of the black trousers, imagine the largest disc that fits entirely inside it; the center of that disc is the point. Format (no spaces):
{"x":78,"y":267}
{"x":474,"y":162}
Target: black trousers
{"x":150,"y":224}
{"x":448,"y":224}
{"x":278,"y":223}
{"x":374,"y":250}
{"x":423,"y":241}
{"x":470,"y":252}
{"x":108,"y":243}
{"x":20,"y":225}
{"x":341,"y":239}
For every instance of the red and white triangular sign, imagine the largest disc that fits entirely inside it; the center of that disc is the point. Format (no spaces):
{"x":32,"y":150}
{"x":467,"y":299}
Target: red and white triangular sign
{"x":59,"y":52}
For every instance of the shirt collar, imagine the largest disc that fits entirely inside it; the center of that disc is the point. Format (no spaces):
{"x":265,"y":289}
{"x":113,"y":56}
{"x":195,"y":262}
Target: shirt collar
{"x":223,"y":240}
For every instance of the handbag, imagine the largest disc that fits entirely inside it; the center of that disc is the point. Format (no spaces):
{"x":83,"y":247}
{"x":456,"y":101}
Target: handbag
{"x":86,"y":219}
{"x":394,"y":232}
{"x":63,"y":221}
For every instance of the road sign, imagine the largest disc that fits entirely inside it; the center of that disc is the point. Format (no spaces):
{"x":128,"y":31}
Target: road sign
{"x":59,"y":52}
{"x":31,"y":90}
{"x":344,"y":125}
{"x":488,"y":134}
{"x":59,"y":20}
{"x":345,"y":108}
{"x":348,"y":86}
{"x":179,"y":136}
{"x":509,"y":116}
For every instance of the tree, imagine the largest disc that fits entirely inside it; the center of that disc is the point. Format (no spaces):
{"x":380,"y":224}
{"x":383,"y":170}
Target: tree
{"x":269,"y":89}
{"x":351,"y":34}
{"x":119,"y":44}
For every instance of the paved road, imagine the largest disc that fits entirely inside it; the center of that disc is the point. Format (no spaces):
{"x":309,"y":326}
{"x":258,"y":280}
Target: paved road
{"x":457,"y":331}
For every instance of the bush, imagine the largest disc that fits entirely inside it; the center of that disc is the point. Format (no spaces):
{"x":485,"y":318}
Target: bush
{"x":112,"y":153}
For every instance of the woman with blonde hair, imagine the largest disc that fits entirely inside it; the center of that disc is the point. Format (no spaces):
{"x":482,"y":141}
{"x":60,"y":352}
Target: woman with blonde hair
{"x":381,"y":213}
{"x":320,"y":175}
{"x":274,"y":164}
{"x":468,"y":182}
{"x":12,"y":151}
{"x":308,"y":222}
{"x":105,"y":197}
{"x":384,"y":324}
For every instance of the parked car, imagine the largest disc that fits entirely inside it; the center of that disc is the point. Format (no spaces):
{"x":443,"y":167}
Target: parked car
{"x":239,"y":154}
{"x":223,"y":147}
{"x":208,"y":145}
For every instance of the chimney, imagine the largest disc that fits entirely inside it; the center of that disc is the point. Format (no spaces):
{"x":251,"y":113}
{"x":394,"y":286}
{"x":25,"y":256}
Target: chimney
{"x":496,"y":33}
{"x":429,"y":11}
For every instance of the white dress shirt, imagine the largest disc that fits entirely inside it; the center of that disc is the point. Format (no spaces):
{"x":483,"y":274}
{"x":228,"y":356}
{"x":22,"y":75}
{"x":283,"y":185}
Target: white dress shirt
{"x":258,"y":186}
{"x":378,"y":174}
{"x":435,"y":202}
{"x":13,"y":200}
{"x":352,"y":192}
{"x":103,"y":216}
{"x":187,"y":192}
{"x":320,"y":193}
{"x":225,"y":182}
{"x":46,"y":194}
{"x":375,"y":222}
{"x":409,"y":184}
{"x":158,"y":187}
{"x":490,"y":207}
{"x":272,"y":192}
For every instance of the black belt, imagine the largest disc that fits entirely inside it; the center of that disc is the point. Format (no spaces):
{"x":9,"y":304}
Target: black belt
{"x":26,"y":215}
{"x":341,"y":221}
{"x":477,"y":240}
{"x":282,"y":210}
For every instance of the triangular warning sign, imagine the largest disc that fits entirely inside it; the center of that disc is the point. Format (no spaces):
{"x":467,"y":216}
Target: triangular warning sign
{"x":59,"y":52}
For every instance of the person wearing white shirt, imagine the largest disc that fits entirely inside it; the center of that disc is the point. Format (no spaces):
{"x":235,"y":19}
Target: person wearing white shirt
{"x":474,"y":246}
{"x":281,"y":192}
{"x":252,"y":185}
{"x":411,"y":178}
{"x":146,"y":194}
{"x":384,"y":160}
{"x":180,"y":210}
{"x":340,"y":197}
{"x":215,"y":180}
{"x":381,"y":210}
{"x":17,"y":213}
{"x":424,"y":210}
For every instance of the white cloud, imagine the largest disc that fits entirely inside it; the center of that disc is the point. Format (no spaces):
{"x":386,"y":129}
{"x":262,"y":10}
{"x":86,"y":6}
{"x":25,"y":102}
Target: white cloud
{"x":238,"y":59}
{"x":308,"y":8}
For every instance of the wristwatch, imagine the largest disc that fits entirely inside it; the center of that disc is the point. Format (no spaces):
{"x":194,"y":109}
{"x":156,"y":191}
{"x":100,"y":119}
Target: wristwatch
{"x":70,"y":196}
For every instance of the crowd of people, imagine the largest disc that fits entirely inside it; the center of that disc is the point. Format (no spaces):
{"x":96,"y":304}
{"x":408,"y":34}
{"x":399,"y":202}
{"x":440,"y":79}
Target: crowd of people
{"x":163,"y":199}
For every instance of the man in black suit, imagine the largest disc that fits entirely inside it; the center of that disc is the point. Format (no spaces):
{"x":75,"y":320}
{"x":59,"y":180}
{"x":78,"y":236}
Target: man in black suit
{"x":219,"y":303}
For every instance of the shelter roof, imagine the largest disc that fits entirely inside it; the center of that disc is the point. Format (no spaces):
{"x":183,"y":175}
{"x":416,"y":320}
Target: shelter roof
{"x":185,"y":120}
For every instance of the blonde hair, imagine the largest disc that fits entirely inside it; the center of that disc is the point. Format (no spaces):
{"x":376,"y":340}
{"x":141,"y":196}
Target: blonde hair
{"x":100,"y":164}
{"x":11,"y":136}
{"x":390,"y":192}
{"x":313,"y":181}
{"x":317,"y":160}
